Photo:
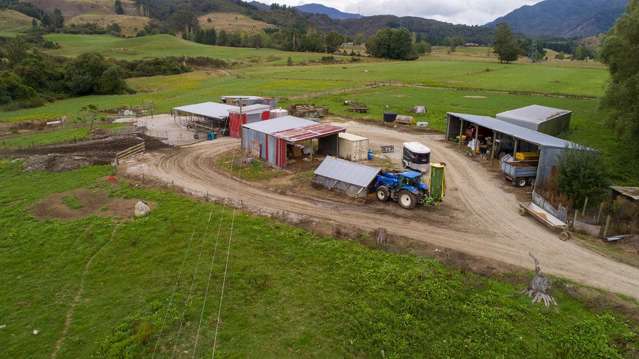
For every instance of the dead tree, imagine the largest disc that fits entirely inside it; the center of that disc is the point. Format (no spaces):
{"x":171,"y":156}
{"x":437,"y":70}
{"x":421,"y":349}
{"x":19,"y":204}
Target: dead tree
{"x":539,"y":286}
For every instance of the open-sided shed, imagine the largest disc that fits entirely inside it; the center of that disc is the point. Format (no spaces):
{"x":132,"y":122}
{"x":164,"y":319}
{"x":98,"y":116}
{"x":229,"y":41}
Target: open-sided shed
{"x":508,"y":138}
{"x":548,"y":120}
{"x":277,"y":139}
{"x":205,"y":116}
{"x":348,"y":177}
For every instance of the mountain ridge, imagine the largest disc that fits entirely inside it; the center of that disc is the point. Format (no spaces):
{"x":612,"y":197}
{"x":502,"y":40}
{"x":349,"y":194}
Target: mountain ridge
{"x":564,"y":18}
{"x":333,"y":13}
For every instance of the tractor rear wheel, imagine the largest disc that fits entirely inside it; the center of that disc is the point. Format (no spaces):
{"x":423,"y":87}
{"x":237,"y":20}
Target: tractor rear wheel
{"x":383,"y":194}
{"x":407,"y":200}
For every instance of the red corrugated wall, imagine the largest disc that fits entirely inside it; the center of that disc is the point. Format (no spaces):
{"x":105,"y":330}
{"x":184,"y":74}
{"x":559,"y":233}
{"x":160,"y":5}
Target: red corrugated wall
{"x":280,"y":153}
{"x":236,"y":120}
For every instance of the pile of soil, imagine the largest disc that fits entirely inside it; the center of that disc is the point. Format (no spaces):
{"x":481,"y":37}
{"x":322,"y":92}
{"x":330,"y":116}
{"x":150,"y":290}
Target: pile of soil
{"x":81,"y":203}
{"x":71,"y":156}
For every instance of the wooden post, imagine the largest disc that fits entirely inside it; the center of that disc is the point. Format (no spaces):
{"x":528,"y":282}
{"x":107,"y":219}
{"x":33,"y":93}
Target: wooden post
{"x":461,"y":132}
{"x":601,"y":206}
{"x":492,"y":151}
{"x":574,"y":221}
{"x":476,"y":140}
{"x":583,"y":211}
{"x":515,"y":148}
{"x":605,"y":232}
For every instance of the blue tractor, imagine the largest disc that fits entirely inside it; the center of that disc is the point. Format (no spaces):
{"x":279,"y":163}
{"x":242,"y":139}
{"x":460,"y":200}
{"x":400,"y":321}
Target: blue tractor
{"x":406,"y":188}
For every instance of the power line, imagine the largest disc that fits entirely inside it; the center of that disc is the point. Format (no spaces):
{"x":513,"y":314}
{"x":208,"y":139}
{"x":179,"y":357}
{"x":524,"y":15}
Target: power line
{"x":186,"y":253}
{"x":189,"y":295}
{"x":226,"y":267}
{"x":208,"y":283}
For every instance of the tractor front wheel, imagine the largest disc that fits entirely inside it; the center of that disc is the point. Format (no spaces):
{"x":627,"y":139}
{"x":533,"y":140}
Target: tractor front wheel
{"x":407,"y":200}
{"x":383,"y":194}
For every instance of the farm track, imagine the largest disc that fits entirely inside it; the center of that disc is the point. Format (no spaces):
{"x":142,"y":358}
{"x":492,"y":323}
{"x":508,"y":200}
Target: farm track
{"x":480,"y":217}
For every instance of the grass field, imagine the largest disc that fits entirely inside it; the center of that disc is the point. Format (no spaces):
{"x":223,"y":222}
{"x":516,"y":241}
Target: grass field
{"x":167,"y":45}
{"x":288,"y":293}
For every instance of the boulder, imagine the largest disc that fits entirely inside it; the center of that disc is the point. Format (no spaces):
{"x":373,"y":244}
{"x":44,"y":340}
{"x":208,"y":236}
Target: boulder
{"x":142,"y":209}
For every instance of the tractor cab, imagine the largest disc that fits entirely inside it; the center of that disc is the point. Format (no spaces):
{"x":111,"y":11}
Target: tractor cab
{"x":416,"y":156}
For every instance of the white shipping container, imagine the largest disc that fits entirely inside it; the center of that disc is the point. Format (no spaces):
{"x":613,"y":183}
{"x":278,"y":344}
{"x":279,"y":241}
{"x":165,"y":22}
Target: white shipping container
{"x":353,"y":147}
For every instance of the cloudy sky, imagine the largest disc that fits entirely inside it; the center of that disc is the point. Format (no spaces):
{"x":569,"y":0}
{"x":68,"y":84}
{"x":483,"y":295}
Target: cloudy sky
{"x":472,"y":12}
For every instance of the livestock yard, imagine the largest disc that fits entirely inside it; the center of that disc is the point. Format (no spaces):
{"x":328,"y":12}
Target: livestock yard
{"x":250,"y":210}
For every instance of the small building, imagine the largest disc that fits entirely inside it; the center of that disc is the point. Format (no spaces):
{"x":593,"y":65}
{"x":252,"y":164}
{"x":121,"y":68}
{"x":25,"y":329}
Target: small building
{"x":247,"y":114}
{"x":206,"y":116}
{"x":351,"y":178}
{"x":626,"y":215}
{"x":353,"y":147}
{"x":248,"y":100}
{"x":548,"y":120}
{"x":280,"y":139}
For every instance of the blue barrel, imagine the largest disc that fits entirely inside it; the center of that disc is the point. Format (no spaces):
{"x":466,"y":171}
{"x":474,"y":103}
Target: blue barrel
{"x":370,"y":155}
{"x":211,"y":136}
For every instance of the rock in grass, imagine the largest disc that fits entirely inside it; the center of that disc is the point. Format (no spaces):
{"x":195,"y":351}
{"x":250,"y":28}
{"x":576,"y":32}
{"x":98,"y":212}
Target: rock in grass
{"x":141,"y":209}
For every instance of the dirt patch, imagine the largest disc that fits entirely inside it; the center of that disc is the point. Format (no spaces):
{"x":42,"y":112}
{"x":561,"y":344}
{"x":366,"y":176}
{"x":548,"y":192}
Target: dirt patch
{"x":81,"y":203}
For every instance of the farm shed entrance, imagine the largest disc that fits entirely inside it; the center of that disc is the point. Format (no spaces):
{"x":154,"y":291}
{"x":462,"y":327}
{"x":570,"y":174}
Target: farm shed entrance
{"x":507,"y":138}
{"x":280,"y":139}
{"x":205,"y":117}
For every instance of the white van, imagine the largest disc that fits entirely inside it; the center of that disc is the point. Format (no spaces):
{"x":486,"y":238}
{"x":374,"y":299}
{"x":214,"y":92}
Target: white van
{"x":416,"y":156}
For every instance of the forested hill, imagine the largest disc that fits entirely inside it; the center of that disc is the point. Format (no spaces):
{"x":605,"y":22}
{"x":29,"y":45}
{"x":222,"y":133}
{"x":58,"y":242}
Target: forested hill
{"x":328,"y":11}
{"x":564,"y":18}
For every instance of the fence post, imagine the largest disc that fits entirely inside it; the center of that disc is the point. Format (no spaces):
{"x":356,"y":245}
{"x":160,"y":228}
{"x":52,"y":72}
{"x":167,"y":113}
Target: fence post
{"x":605,"y":233}
{"x":574,"y":221}
{"x":601,"y":206}
{"x":583,"y":211}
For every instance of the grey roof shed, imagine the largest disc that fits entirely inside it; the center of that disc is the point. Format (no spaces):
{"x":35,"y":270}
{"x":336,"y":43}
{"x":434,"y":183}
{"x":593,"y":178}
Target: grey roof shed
{"x":346,"y":176}
{"x":548,"y":120}
{"x":208,"y":109}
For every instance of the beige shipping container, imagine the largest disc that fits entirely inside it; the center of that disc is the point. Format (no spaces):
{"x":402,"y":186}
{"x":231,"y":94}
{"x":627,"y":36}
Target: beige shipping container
{"x":353,"y":147}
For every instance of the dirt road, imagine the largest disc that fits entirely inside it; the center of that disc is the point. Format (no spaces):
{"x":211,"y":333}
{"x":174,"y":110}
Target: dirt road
{"x":481,"y":215}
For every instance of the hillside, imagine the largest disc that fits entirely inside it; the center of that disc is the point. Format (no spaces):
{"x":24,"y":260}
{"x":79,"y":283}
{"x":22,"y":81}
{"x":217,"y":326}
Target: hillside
{"x":435,"y":31}
{"x":231,"y":22}
{"x":564,"y":18}
{"x":71,"y":8}
{"x":328,"y":11}
{"x":13,"y":22}
{"x":130,"y":25}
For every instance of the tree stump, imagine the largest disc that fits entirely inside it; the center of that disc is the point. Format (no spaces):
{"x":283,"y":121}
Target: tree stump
{"x":539,"y":286}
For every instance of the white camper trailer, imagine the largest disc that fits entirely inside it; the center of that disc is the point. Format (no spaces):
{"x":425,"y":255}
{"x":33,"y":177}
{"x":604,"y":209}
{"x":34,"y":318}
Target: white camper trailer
{"x":416,"y":156}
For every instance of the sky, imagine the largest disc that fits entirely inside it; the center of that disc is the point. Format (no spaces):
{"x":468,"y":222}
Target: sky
{"x":471,"y":12}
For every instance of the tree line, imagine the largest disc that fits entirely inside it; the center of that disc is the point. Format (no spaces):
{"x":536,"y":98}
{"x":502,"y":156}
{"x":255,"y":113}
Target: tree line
{"x":29,"y":77}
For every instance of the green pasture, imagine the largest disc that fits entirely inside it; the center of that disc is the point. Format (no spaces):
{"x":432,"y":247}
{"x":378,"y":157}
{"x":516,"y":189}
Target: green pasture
{"x":288,"y":293}
{"x":520,"y":78}
{"x":168,"y":45}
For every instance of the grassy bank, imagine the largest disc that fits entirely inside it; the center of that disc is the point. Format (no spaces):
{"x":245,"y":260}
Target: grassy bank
{"x":288,"y":293}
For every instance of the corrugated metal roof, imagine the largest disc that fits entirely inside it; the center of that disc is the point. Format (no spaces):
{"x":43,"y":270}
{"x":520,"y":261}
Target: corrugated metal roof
{"x":309,"y":132}
{"x":532,"y":114}
{"x":630,"y":192}
{"x":254,"y":108}
{"x":208,"y":109}
{"x":347,"y":171}
{"x":519,"y":132}
{"x":279,"y":124}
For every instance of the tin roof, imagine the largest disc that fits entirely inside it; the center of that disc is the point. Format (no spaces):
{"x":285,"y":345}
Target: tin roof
{"x":532,"y":114}
{"x":519,"y":132}
{"x":208,"y":109}
{"x":309,"y":132}
{"x":630,"y":192}
{"x":347,"y":171}
{"x":279,"y":124}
